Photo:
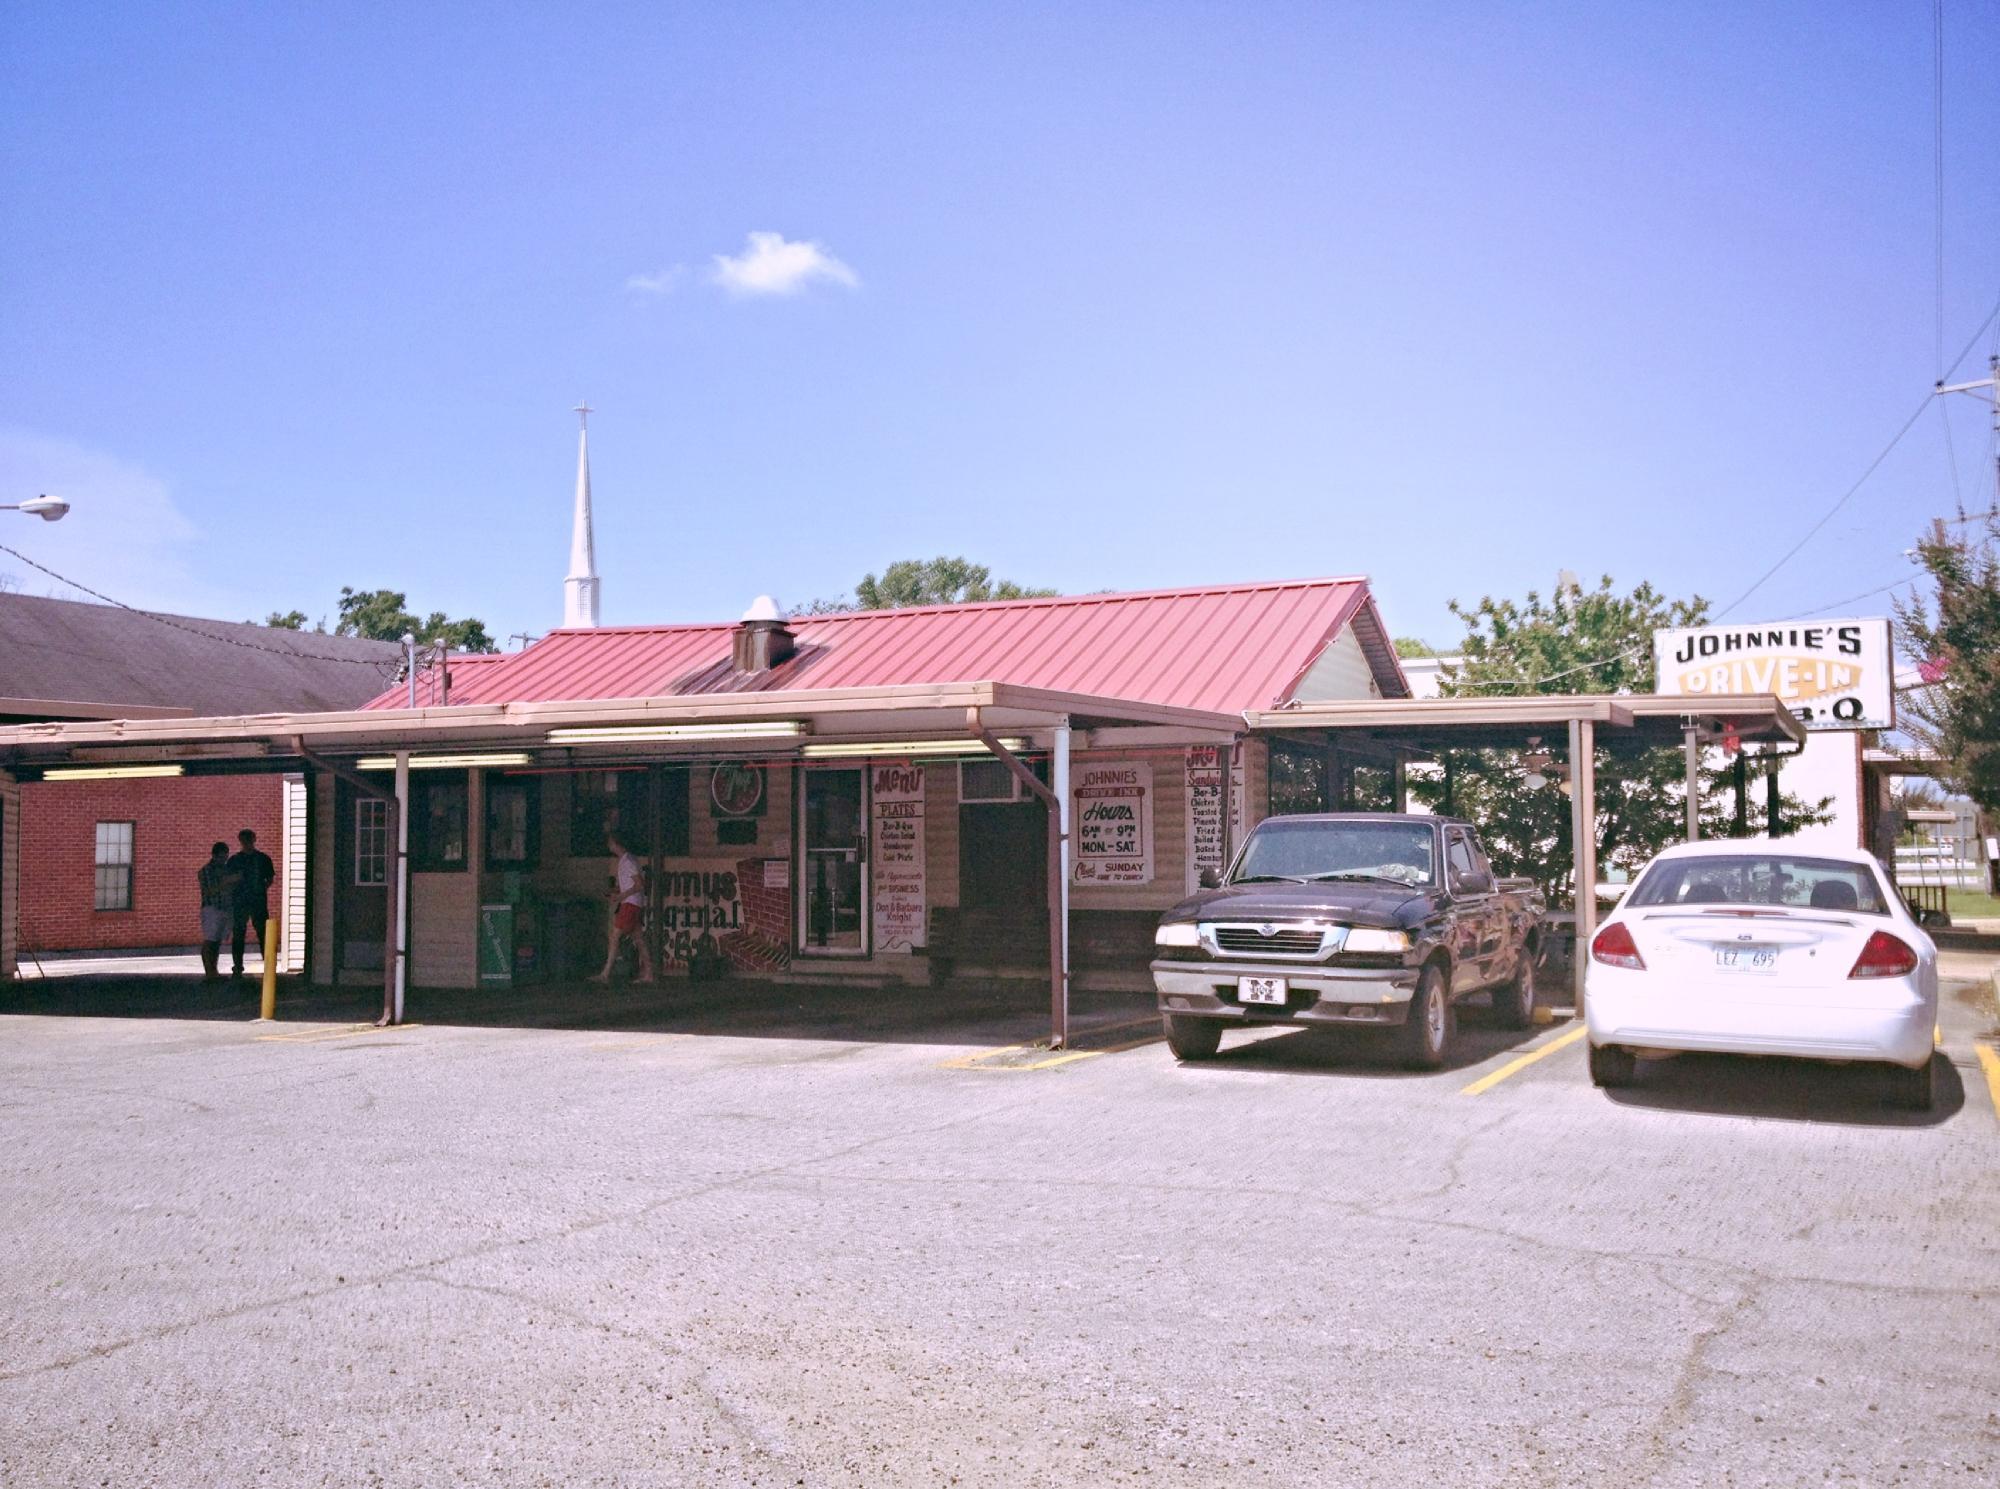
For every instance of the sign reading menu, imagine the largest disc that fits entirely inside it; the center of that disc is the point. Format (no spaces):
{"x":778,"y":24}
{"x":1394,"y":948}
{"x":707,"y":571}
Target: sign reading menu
{"x":1111,"y":809}
{"x":898,"y":866}
{"x":1204,"y":809}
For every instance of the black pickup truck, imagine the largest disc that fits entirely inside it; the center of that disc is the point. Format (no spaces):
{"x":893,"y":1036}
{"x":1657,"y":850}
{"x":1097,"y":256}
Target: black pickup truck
{"x":1353,"y":919}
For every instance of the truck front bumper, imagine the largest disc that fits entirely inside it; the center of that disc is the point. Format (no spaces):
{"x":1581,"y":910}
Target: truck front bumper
{"x":1315,"y":994}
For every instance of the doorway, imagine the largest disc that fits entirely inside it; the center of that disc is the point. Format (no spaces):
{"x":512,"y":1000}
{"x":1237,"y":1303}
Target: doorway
{"x":833,"y":852}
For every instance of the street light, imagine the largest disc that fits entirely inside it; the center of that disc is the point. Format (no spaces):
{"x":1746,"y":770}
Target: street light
{"x":48,"y":508}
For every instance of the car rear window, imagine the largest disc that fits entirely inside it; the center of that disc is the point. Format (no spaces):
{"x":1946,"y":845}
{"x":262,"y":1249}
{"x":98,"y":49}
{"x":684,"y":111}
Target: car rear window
{"x":1762,"y":879}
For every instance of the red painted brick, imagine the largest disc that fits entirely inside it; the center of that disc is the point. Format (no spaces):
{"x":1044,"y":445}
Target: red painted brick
{"x":174,"y":823}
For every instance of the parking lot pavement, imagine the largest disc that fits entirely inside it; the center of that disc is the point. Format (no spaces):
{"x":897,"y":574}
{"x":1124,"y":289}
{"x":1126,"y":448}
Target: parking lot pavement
{"x":480,"y":1254}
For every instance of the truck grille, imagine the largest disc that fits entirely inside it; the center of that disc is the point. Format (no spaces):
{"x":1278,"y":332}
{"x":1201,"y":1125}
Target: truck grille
{"x":1286,"y":941}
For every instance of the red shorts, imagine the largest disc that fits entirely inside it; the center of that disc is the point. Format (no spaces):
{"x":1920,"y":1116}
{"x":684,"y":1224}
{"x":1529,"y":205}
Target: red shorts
{"x":628,"y":918}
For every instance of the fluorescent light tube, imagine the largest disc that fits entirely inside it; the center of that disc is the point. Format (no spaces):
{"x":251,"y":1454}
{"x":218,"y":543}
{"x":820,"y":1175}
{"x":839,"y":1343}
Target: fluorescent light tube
{"x":865,"y":750}
{"x":447,"y":762}
{"x":632,"y":733}
{"x":108,"y":772}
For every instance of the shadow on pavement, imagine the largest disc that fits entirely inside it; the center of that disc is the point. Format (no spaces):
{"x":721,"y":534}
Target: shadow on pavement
{"x":1368,"y":1053}
{"x":1774,"y":1088}
{"x":993,"y":1013}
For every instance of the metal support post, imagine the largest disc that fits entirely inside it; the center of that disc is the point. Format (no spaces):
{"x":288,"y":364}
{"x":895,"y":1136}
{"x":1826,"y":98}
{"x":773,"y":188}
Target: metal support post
{"x":1059,"y":823}
{"x":1772,"y":826}
{"x":1692,"y":739}
{"x":1583,"y":843}
{"x":400,"y":873}
{"x":1400,"y":786}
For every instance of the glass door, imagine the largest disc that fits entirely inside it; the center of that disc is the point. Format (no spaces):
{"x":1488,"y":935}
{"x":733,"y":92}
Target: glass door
{"x":833,"y":840}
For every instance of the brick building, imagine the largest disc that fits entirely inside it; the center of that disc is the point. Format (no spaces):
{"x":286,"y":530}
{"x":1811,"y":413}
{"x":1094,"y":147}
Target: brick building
{"x":109,"y":864}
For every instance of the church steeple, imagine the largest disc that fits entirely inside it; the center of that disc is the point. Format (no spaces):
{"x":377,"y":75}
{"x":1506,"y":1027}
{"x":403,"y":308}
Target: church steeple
{"x":580,"y":588}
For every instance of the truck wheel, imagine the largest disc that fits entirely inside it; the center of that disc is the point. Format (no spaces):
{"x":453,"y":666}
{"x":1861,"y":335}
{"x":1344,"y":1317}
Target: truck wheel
{"x":1912,"y":1087}
{"x":1611,"y":1066}
{"x":1193,"y":1039}
{"x":1426,"y":1033}
{"x":1514,"y":1000}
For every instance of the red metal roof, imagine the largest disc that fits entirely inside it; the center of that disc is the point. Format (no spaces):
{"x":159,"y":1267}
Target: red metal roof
{"x":1225,"y":649}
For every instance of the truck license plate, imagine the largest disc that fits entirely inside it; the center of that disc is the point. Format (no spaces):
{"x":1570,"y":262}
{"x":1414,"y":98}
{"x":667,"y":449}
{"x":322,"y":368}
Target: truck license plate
{"x":1746,"y":958}
{"x":1260,"y":990}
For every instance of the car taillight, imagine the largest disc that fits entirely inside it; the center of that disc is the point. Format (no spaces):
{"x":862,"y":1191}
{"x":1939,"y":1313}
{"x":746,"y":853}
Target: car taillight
{"x":1884,"y":956}
{"x":1613,"y":945}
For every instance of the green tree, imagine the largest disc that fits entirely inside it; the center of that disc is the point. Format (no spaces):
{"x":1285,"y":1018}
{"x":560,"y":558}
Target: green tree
{"x":1953,"y":637}
{"x":383,"y":615}
{"x":1413,"y":646}
{"x":1577,"y":641}
{"x":936,"y":581}
{"x":291,"y":620}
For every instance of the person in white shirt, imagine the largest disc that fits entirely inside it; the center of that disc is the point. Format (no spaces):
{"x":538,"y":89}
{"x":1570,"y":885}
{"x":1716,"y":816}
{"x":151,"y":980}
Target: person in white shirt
{"x":628,"y":911}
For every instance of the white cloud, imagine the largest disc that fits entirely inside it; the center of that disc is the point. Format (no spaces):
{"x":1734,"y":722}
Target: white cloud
{"x":659,"y":282}
{"x":124,"y":535}
{"x":770,"y":265}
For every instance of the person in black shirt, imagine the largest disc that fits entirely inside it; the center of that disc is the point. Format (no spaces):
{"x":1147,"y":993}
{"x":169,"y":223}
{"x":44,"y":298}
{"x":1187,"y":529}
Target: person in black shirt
{"x":250,"y":902}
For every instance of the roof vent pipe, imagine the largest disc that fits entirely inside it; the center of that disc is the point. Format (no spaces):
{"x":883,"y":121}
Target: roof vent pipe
{"x":763,"y":638}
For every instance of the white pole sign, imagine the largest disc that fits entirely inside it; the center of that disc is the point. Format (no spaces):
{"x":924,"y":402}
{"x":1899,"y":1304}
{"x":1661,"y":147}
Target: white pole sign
{"x":1834,"y":674}
{"x":1113,"y":817}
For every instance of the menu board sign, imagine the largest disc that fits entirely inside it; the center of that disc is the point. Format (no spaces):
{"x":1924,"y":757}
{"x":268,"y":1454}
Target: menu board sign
{"x":898,"y":857}
{"x":1204,"y":809}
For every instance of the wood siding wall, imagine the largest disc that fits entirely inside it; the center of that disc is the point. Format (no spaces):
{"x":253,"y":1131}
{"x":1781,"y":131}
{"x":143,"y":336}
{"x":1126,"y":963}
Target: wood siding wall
{"x":10,"y":874}
{"x":291,"y":906}
{"x":444,"y":930}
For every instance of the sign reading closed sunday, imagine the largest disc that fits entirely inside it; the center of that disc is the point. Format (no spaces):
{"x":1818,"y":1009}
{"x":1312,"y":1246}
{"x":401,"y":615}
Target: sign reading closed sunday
{"x":1112,"y":816}
{"x":1834,"y":674}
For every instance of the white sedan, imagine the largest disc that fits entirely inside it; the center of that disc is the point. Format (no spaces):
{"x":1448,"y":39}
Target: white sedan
{"x":1758,"y":948}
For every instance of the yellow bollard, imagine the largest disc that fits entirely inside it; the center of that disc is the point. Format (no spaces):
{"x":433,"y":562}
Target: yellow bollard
{"x":269,"y":947}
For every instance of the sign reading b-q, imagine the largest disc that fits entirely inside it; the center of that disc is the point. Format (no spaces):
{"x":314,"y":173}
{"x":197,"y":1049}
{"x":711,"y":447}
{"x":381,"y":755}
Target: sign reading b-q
{"x":1834,"y":674}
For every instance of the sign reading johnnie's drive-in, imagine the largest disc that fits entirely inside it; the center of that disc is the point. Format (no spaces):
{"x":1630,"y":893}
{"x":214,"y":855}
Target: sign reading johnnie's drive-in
{"x":1833,"y":674}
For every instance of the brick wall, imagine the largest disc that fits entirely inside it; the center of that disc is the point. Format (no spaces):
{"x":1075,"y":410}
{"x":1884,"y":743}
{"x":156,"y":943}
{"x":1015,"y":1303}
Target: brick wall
{"x":765,"y":942}
{"x":175,"y":821}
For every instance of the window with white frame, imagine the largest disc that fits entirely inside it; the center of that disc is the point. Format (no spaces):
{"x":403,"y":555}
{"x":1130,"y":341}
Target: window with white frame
{"x":114,"y":866}
{"x":371,"y":840}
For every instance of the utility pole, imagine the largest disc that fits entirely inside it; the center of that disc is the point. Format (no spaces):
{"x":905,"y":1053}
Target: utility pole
{"x":1990,"y":385}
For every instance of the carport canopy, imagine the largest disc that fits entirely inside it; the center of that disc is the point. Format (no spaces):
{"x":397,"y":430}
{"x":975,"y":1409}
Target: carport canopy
{"x":788,"y":724}
{"x":1416,"y":727}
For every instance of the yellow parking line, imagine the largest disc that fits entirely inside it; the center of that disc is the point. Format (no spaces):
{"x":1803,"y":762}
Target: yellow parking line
{"x":1522,"y":1062}
{"x":1990,"y":1063}
{"x":978,"y":1058}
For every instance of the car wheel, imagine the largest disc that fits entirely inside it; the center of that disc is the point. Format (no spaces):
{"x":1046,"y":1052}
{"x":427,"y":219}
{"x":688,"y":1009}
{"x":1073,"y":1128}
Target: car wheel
{"x":1193,"y":1039}
{"x":1913,"y":1087}
{"x":1514,"y":1002}
{"x":1611,"y":1066}
{"x":1426,"y":1033}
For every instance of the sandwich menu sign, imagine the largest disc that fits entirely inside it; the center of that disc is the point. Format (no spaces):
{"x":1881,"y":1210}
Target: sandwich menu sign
{"x":1834,"y":674}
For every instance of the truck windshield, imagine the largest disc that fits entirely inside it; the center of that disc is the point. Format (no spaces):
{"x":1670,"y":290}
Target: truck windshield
{"x":1308,"y":849}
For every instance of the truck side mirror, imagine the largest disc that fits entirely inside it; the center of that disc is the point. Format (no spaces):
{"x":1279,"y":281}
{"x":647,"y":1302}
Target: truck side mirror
{"x":1475,"y":883}
{"x":1209,"y":879}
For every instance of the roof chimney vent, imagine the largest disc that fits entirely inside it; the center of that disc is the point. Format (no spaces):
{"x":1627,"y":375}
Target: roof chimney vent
{"x":763,"y":637}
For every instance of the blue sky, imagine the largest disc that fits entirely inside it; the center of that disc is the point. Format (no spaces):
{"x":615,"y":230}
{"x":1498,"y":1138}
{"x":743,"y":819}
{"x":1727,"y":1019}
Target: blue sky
{"x":1112,"y":296}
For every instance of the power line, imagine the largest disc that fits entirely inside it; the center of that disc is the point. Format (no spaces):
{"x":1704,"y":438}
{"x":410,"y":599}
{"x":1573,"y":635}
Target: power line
{"x":1862,"y":480}
{"x":1937,"y":198}
{"x":166,"y":620}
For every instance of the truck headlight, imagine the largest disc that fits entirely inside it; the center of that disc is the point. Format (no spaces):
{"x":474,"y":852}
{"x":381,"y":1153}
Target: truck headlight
{"x":1178,"y":933}
{"x":1364,"y":938}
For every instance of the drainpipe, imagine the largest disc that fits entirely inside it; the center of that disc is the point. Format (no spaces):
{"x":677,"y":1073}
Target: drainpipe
{"x":1058,"y":859}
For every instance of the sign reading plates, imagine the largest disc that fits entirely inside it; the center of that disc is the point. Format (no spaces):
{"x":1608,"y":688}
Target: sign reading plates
{"x":1204,"y":809}
{"x":898,"y":867}
{"x":1834,"y":674}
{"x":1111,"y":809}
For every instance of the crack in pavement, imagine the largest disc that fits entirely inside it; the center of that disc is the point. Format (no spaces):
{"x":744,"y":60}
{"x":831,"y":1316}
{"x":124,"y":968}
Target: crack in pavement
{"x":489,"y":1248}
